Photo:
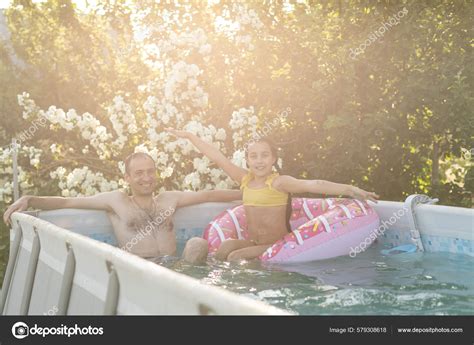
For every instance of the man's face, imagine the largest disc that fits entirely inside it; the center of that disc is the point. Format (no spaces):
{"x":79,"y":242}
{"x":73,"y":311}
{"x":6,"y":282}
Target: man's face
{"x":141,"y":176}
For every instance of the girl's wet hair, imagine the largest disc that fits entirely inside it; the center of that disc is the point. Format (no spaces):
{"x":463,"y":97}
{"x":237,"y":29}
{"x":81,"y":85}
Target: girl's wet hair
{"x":274,"y":151}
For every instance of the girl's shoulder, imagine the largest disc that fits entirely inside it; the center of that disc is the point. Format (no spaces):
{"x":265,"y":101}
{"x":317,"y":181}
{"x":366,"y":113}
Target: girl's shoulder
{"x":279,"y":180}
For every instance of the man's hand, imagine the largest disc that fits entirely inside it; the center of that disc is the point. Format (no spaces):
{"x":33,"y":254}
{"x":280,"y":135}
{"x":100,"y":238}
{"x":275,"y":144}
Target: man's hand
{"x":18,"y":206}
{"x":360,"y":194}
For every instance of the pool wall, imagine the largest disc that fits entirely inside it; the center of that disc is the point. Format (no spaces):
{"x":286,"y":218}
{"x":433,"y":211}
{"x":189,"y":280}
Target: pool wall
{"x":442,"y":228}
{"x":54,"y":271}
{"x":65,"y":262}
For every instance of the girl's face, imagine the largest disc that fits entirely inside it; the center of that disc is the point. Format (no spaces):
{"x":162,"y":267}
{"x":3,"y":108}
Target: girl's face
{"x":260,"y":158}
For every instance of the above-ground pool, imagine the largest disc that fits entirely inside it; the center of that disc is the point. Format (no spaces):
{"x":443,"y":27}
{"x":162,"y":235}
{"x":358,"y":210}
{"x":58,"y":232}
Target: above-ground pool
{"x":67,"y":260}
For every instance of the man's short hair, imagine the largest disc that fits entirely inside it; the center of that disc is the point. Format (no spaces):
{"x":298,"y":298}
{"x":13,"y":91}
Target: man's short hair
{"x":135,"y":155}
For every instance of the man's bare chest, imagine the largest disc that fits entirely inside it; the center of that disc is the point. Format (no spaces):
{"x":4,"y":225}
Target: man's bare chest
{"x":132,"y":219}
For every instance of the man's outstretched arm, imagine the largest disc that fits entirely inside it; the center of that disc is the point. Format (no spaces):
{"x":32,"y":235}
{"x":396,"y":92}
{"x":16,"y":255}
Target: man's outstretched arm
{"x":191,"y":198}
{"x":102,"y":201}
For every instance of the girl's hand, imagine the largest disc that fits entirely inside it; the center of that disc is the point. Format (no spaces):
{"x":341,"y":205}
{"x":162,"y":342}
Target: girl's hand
{"x":178,"y":134}
{"x":361,"y":194}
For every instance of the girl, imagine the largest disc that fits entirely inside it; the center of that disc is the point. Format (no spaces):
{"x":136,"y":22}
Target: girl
{"x":266,"y":195}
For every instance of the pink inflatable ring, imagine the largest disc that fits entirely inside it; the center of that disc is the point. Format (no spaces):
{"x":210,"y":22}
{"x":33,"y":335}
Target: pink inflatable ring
{"x":321,"y":229}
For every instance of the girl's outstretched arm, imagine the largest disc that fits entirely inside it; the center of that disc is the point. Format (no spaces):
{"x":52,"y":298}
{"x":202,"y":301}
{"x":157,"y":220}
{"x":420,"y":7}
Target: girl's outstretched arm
{"x":292,"y":185}
{"x":236,"y":173}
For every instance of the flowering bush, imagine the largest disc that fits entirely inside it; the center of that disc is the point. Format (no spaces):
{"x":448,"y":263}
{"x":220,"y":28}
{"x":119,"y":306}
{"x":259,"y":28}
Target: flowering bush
{"x":174,"y":98}
{"x":175,"y":162}
{"x":130,"y":69}
{"x":177,"y":99}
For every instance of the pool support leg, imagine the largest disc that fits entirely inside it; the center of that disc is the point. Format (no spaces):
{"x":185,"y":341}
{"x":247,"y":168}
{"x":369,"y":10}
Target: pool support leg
{"x":30,"y":275}
{"x":68,"y":278}
{"x":112,"y":295}
{"x":10,"y":267}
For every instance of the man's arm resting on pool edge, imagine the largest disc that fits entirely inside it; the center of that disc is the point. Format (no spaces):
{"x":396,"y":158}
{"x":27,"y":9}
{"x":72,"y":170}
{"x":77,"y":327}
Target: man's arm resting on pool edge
{"x":101,"y":201}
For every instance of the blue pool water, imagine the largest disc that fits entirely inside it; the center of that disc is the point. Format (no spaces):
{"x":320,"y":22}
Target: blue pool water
{"x":369,"y":284}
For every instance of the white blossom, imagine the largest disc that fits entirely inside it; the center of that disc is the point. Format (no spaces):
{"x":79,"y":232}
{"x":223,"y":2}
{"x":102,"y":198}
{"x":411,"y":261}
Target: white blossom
{"x":174,"y":97}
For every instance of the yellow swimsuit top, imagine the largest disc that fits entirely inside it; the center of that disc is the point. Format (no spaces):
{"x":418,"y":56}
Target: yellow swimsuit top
{"x":266,"y":196}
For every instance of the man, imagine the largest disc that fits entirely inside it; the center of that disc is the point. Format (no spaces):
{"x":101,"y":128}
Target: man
{"x":140,"y":213}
